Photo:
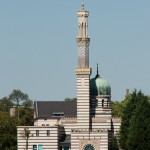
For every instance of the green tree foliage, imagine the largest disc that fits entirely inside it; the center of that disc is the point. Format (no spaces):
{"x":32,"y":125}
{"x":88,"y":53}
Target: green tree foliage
{"x":28,"y":103}
{"x":8,"y":132}
{"x":117,"y":107}
{"x":114,"y":145}
{"x":70,"y":99}
{"x":132,"y":121}
{"x":139,"y":130}
{"x":26,"y":116}
{"x":8,"y":125}
{"x":17,"y":96}
{"x":5,"y":104}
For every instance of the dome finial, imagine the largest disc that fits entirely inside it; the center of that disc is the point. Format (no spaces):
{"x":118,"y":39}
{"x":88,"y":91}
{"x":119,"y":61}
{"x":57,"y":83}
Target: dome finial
{"x":82,"y":4}
{"x":97,"y":75}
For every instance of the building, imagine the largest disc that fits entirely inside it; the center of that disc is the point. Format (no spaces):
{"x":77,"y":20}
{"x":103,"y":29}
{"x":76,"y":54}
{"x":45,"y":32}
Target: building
{"x":85,"y":124}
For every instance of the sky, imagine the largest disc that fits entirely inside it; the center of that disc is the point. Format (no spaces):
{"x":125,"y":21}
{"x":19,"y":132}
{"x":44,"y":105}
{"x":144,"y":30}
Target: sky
{"x":38,"y":50}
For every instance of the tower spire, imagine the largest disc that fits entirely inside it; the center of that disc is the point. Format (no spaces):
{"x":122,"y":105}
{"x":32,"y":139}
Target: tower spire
{"x":82,"y":4}
{"x":97,"y":75}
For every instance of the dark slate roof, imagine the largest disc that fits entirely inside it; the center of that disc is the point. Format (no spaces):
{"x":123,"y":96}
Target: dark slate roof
{"x":46,"y":109}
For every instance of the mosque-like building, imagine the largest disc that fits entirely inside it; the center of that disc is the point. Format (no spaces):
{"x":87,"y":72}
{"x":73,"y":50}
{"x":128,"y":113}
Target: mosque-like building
{"x":85,"y":124}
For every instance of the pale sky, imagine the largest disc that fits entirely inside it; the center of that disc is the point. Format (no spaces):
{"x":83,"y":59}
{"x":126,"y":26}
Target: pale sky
{"x":38,"y":50}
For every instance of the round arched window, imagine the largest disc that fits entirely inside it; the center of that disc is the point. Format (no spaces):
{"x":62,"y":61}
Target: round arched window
{"x":88,"y":147}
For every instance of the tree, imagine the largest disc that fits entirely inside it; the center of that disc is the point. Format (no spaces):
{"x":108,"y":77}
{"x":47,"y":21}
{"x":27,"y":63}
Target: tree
{"x":139,"y":137}
{"x":131,"y":103}
{"x":18,"y":96}
{"x":5,"y":104}
{"x":8,"y":132}
{"x":28,"y":103}
{"x":117,"y":107}
{"x":25,"y":135}
{"x":70,"y":99}
{"x":26,"y":116}
{"x":114,"y":144}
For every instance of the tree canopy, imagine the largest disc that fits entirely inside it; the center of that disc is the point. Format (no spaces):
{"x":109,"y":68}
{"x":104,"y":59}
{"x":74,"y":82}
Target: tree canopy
{"x":117,"y":107}
{"x":135,"y":126}
{"x":8,"y":124}
{"x":8,"y":132}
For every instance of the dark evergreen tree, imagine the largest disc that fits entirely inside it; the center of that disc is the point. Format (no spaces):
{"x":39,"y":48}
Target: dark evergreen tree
{"x":8,"y":132}
{"x":5,"y":104}
{"x":130,"y":104}
{"x":139,"y":130}
{"x":135,"y":127}
{"x":114,"y":145}
{"x":117,"y":107}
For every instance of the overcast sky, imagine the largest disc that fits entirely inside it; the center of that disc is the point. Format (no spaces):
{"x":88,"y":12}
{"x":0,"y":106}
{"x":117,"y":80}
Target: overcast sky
{"x":38,"y":50}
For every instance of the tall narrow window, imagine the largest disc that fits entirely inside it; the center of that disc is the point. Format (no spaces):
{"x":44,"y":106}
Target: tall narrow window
{"x":40,"y":147}
{"x":34,"y":147}
{"x":82,"y":30}
{"x":48,"y":132}
{"x":102,"y":103}
{"x":66,"y":148}
{"x":37,"y":132}
{"x":107,"y":103}
{"x":85,"y":29}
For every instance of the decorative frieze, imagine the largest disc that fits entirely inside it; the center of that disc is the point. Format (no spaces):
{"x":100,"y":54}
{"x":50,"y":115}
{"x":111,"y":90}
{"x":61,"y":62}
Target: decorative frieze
{"x":100,"y":120}
{"x":89,"y":130}
{"x":83,"y":71}
{"x":69,"y":120}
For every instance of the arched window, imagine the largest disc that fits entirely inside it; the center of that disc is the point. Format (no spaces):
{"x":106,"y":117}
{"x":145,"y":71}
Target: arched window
{"x":85,"y":29}
{"x":89,"y":147}
{"x":107,"y":103}
{"x":102,"y":102}
{"x":82,"y":30}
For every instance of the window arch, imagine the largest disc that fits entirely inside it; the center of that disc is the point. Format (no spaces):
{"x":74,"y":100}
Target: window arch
{"x":88,"y":147}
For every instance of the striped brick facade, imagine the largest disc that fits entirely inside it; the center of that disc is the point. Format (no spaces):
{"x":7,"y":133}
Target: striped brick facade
{"x":46,"y":137}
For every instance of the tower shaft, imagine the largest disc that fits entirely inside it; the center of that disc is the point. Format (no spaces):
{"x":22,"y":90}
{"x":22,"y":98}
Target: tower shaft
{"x":83,"y":71}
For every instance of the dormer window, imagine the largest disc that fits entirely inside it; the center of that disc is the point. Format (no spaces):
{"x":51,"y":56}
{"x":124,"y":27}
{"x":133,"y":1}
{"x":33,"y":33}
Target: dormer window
{"x":57,"y":114}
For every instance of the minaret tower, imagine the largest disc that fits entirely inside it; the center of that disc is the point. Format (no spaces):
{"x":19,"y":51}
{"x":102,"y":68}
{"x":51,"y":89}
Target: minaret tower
{"x":83,"y":71}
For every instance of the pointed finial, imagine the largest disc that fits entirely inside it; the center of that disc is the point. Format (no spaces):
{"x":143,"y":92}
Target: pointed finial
{"x":97,"y":72}
{"x":82,"y":4}
{"x":97,"y":69}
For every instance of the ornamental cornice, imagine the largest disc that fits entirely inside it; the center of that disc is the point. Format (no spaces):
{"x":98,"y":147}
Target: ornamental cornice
{"x":69,"y":120}
{"x":83,"y":71}
{"x":83,"y":40}
{"x":100,"y":120}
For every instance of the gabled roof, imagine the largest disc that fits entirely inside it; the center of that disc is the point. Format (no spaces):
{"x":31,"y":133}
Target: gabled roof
{"x":47,"y":109}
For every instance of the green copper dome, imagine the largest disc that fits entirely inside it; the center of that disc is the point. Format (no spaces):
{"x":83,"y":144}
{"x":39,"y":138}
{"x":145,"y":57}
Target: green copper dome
{"x":99,"y":87}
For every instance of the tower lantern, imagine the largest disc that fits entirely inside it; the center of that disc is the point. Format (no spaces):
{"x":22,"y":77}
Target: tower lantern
{"x":82,"y":39}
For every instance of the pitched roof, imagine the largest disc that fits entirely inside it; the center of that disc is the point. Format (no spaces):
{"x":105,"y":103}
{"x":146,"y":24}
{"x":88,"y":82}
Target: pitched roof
{"x":52,"y":109}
